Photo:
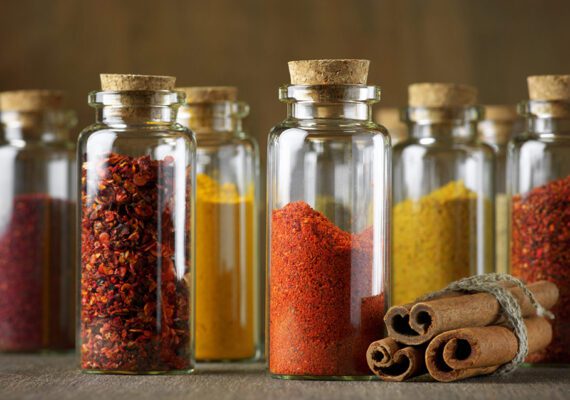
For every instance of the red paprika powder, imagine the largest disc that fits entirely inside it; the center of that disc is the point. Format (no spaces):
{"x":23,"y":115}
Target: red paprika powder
{"x":540,"y":249}
{"x":324,"y":307}
{"x":135,"y":300}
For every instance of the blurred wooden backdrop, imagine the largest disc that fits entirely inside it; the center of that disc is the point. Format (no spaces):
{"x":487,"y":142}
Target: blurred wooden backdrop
{"x":492,"y":44}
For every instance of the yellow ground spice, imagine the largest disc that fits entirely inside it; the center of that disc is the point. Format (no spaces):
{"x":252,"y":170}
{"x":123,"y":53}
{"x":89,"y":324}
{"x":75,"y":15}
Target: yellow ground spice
{"x":434,"y":241}
{"x":225,"y":278}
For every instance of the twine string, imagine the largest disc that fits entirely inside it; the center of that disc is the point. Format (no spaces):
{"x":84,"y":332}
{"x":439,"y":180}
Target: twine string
{"x":510,"y":308}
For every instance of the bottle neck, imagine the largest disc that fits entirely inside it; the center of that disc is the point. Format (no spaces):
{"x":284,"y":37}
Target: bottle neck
{"x":453,"y":124}
{"x":330,"y":102}
{"x":150,"y":107}
{"x":211,"y":118}
{"x":41,"y":126}
{"x":312,"y":110}
{"x":550,"y":118}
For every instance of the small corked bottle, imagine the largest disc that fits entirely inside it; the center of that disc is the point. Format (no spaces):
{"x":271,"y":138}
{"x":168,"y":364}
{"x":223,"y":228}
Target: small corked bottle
{"x":37,"y":222}
{"x":500,"y":124}
{"x":136,"y":224}
{"x":443,"y":193}
{"x":328,"y":213}
{"x":228,"y":308}
{"x":539,"y":191}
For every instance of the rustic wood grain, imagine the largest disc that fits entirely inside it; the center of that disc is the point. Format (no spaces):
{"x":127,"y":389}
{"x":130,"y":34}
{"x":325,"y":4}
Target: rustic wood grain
{"x":55,"y":377}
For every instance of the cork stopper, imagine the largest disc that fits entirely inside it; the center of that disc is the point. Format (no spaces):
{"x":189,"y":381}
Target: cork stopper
{"x":31,"y":100}
{"x":123,"y":82}
{"x":441,"y":95}
{"x":549,"y":87}
{"x":209,"y":94}
{"x":329,"y":72}
{"x":501,"y":112}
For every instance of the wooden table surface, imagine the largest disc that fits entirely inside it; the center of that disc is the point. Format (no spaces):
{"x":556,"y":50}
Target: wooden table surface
{"x":56,"y":377}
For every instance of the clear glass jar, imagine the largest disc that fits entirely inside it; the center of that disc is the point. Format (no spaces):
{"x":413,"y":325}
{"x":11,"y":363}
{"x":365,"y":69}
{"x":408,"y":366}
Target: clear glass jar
{"x":37,"y":223}
{"x":539,"y":192}
{"x":228,"y":307}
{"x":328,"y":216}
{"x":443,"y":202}
{"x":500,"y":124}
{"x":137,"y":174}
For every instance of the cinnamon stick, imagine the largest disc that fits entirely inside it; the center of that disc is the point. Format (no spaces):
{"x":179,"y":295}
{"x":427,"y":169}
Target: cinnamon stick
{"x":416,"y":323}
{"x":393,"y":362}
{"x":468,"y":352}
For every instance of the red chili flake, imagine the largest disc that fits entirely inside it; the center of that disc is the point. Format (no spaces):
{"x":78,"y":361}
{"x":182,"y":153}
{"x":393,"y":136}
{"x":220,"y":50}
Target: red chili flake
{"x":541,"y":250}
{"x":323,"y":309}
{"x":135,"y":313}
{"x":36,"y":284}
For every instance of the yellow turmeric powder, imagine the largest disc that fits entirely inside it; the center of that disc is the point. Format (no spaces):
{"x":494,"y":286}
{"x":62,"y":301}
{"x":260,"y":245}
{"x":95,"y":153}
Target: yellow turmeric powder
{"x":435,"y":241}
{"x":225,"y":286}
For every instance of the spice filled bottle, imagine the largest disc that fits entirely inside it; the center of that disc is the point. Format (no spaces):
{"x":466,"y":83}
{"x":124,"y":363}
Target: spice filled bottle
{"x":500,"y":124}
{"x":137,"y":167}
{"x":328,"y":214}
{"x":227,"y":304}
{"x":443,"y":193}
{"x":540,"y":202}
{"x":37,"y":222}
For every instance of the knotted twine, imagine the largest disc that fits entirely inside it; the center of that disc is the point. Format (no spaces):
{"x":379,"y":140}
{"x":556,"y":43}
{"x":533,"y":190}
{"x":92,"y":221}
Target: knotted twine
{"x":510,"y":308}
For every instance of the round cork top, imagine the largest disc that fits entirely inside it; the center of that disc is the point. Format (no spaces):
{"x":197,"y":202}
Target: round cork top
{"x":31,"y":100}
{"x":209,"y":94}
{"x":549,"y":87}
{"x":123,"y":82}
{"x":329,"y":72}
{"x":441,"y":95}
{"x":500,"y":112}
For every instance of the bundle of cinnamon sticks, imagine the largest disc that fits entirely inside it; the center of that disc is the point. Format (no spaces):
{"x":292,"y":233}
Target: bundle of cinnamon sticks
{"x":457,"y":336}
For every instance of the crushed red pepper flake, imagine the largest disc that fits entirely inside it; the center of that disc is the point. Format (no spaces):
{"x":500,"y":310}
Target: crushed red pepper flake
{"x":36,"y":275}
{"x":135,"y":309}
{"x":323,"y":309}
{"x":540,"y":249}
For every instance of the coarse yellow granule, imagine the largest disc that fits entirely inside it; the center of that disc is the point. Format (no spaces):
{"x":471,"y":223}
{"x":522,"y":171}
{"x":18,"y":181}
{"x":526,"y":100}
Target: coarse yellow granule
{"x":435,"y":241}
{"x":225,"y":277}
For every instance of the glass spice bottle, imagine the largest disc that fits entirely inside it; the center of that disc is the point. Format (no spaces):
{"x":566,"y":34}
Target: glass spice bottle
{"x":328,"y":214}
{"x":137,"y":171}
{"x":539,"y":192}
{"x":390,"y":118}
{"x":227,"y":302}
{"x":500,"y":124}
{"x":37,"y":222}
{"x":443,"y":193}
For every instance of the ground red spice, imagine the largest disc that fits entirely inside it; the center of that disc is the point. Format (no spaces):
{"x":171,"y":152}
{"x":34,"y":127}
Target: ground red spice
{"x":541,"y":250}
{"x":135,"y":308}
{"x":323,"y":311}
{"x":36,"y":294}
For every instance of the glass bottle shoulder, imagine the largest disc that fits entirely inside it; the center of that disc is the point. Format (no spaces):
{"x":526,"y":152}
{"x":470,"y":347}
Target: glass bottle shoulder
{"x":432,"y":146}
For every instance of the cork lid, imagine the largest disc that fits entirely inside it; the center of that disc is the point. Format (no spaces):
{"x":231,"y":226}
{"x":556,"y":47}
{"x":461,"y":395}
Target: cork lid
{"x":549,"y":87}
{"x":501,"y":112}
{"x":31,"y":100}
{"x":441,"y":95}
{"x":123,"y":82}
{"x":209,"y":94}
{"x":329,"y":72}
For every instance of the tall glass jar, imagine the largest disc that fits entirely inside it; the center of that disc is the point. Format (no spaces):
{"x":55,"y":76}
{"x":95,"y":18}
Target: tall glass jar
{"x":328,"y":214}
{"x":137,"y":172}
{"x":500,"y":124}
{"x":227,"y":306}
{"x":37,"y":221}
{"x":443,"y":193}
{"x":540,"y":202}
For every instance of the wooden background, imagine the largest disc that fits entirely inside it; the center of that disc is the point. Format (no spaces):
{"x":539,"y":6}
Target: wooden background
{"x":492,"y":44}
